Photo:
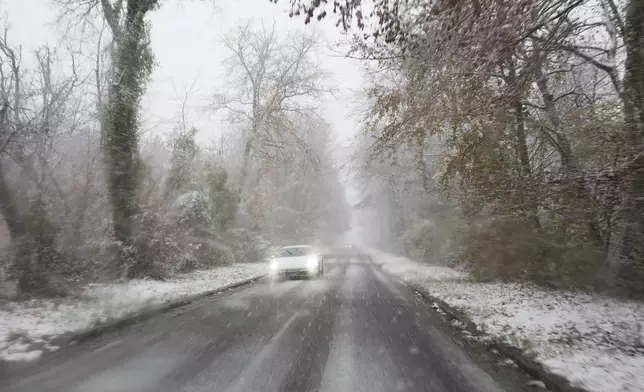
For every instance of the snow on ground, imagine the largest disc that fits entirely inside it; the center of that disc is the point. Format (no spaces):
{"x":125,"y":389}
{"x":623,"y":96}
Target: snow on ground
{"x":596,"y":342}
{"x":26,"y":328}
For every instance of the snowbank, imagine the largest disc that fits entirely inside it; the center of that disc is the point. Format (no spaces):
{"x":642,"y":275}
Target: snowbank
{"x":595,"y":342}
{"x":27,"y":328}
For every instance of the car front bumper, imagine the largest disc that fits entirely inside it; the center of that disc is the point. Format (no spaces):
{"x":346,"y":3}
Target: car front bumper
{"x":295,"y":272}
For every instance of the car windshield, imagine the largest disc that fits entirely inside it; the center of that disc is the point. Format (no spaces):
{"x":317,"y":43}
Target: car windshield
{"x":295,"y":251}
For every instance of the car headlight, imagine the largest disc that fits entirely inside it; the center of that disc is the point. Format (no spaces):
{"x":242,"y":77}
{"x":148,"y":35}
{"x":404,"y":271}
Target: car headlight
{"x":313,"y":262}
{"x":273,"y":265}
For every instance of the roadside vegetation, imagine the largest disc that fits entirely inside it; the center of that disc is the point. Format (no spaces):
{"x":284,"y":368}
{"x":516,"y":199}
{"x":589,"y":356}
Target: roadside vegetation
{"x":88,"y":195}
{"x":506,"y":137}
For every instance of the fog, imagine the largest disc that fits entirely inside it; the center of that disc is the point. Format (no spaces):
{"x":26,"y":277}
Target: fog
{"x":463,"y":147}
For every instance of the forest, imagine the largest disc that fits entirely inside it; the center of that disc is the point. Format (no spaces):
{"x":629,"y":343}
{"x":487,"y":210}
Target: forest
{"x":506,"y":137}
{"x":502,"y":137}
{"x":88,"y":196}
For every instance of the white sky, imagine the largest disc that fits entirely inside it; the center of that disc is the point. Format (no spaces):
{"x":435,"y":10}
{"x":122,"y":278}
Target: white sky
{"x":186,"y":43}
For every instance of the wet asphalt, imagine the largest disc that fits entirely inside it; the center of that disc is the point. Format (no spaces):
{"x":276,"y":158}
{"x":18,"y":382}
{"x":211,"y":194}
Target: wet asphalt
{"x":356,"y":329}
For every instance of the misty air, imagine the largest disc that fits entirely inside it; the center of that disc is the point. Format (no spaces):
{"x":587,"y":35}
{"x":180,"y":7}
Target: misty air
{"x":322,"y":196}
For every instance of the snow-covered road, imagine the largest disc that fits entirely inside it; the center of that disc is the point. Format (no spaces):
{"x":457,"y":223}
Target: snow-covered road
{"x":357,"y":329}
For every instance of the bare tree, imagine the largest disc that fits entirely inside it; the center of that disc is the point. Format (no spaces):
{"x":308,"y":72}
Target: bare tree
{"x":182,"y":101}
{"x":270,"y":78}
{"x":34,"y":111}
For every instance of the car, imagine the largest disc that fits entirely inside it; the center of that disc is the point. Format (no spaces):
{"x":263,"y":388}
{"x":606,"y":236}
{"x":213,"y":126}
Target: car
{"x":296,"y":260}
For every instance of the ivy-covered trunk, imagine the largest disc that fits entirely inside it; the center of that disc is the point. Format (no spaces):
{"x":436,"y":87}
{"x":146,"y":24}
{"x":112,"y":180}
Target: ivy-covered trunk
{"x":132,"y":67}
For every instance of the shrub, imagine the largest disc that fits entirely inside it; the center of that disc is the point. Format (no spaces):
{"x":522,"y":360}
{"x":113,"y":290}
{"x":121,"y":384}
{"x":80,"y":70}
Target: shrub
{"x":508,"y":248}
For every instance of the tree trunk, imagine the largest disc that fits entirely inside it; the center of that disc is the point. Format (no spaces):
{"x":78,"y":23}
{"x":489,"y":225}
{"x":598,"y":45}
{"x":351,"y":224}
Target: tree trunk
{"x":521,"y":145}
{"x":627,"y":246}
{"x":248,"y":147}
{"x":32,"y":241}
{"x":22,"y":260}
{"x":520,"y":140}
{"x":569,"y":162}
{"x":132,"y":66}
{"x":421,"y":165}
{"x":10,"y":210}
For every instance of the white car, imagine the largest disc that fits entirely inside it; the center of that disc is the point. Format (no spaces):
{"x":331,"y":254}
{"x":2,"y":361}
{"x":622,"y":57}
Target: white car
{"x":297,"y":260}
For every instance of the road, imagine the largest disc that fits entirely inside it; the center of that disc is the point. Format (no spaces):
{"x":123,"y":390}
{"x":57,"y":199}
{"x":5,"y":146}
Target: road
{"x":356,"y":329}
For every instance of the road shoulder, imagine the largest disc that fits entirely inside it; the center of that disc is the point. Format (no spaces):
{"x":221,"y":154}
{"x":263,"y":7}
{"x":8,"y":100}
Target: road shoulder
{"x":30,"y":329}
{"x":574,"y":341}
